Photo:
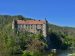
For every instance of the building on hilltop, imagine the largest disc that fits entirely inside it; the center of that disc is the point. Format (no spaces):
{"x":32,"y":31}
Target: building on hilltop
{"x":32,"y":26}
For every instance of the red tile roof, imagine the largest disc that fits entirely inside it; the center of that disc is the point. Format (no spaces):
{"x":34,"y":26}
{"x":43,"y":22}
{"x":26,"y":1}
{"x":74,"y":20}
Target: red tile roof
{"x":30,"y":22}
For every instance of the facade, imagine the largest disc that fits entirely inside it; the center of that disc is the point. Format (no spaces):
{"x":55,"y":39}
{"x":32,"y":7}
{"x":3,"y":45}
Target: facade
{"x":32,"y":26}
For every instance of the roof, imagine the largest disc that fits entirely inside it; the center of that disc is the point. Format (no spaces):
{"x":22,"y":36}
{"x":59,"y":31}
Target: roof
{"x":31,"y":22}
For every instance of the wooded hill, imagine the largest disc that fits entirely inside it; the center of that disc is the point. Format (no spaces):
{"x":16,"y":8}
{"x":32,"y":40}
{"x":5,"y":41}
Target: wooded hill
{"x":12,"y":43}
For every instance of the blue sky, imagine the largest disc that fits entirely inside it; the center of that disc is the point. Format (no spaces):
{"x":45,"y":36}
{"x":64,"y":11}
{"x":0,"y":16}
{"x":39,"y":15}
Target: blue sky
{"x":59,"y":12}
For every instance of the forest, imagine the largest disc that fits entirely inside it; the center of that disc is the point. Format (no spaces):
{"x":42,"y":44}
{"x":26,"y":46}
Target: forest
{"x":22,"y":44}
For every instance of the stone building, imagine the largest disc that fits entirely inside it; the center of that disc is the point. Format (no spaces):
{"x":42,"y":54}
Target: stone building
{"x":32,"y":26}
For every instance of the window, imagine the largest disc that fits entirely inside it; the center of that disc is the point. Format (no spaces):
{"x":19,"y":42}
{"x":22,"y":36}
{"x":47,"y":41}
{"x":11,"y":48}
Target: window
{"x":24,"y":26}
{"x":28,"y":26}
{"x":31,"y":26}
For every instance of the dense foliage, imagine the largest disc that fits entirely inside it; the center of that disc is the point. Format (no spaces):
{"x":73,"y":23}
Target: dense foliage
{"x":24,"y":44}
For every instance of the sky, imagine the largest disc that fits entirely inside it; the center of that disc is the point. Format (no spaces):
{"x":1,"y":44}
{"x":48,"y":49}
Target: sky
{"x":58,"y":12}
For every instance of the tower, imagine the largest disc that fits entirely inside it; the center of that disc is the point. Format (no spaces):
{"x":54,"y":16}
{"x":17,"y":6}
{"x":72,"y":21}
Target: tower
{"x":45,"y":28}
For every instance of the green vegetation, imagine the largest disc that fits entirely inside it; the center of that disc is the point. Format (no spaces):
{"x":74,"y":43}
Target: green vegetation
{"x":24,"y":44}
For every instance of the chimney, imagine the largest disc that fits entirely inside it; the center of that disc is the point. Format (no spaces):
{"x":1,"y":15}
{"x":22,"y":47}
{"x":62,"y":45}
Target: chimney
{"x":39,"y":20}
{"x":34,"y":19}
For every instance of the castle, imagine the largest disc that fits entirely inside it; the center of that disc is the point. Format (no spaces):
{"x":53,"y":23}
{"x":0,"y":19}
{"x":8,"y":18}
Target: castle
{"x":32,"y":26}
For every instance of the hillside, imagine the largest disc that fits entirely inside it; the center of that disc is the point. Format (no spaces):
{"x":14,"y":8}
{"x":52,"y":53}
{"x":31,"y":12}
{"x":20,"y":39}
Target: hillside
{"x":6,"y":20}
{"x":12,"y":43}
{"x":66,"y":30}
